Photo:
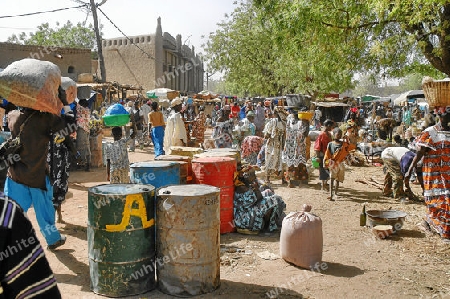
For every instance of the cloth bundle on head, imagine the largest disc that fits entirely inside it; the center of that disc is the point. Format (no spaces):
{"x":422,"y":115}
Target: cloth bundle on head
{"x":33,"y":84}
{"x":175,"y":102}
{"x":70,"y":87}
{"x":116,"y":115}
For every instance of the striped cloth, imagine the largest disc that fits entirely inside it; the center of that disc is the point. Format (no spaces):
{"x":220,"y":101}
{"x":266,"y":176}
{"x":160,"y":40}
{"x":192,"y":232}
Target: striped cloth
{"x":24,"y":269}
{"x":436,"y":178}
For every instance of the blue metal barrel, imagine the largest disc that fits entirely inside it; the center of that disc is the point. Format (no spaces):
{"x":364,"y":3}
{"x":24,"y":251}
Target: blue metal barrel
{"x":155,"y":173}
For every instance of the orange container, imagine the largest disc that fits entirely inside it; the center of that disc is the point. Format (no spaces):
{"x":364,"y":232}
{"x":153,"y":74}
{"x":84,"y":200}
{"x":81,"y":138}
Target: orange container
{"x":218,"y":172}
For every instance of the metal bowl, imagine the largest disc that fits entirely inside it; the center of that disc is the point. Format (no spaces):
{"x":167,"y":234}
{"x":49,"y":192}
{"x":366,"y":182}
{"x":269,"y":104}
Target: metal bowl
{"x":386,"y":217}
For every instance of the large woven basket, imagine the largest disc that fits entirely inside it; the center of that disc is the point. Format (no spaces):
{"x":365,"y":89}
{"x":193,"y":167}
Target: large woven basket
{"x":437,"y":93}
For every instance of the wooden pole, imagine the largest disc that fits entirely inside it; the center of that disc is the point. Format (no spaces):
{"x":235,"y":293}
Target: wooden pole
{"x":101,"y":60}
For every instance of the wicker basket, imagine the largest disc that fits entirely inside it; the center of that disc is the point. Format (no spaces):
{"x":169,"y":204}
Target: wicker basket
{"x":437,"y":93}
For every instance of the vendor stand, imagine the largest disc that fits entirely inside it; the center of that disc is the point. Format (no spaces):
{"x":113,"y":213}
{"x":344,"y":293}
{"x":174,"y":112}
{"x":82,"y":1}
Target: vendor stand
{"x":375,"y":148}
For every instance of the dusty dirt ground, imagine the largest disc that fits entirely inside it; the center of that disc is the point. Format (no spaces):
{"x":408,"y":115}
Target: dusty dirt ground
{"x":411,"y":264}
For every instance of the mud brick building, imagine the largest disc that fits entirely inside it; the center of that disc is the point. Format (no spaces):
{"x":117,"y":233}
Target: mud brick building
{"x":71,"y":61}
{"x":153,"y":61}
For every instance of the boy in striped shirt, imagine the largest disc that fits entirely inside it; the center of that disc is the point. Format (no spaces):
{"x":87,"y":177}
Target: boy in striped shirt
{"x":24,"y":269}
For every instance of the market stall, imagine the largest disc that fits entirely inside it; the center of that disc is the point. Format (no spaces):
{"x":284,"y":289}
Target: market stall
{"x":334,"y":110}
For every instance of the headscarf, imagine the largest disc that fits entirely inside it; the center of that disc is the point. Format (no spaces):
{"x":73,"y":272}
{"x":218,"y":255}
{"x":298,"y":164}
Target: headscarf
{"x":441,"y":110}
{"x":175,"y":102}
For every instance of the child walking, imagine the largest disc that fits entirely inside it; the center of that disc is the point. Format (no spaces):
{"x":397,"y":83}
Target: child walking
{"x":337,"y":151}
{"x":117,"y":163}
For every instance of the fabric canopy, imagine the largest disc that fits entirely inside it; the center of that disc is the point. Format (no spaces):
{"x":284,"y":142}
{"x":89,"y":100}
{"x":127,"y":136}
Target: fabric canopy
{"x":164,"y":93}
{"x":370,"y":98}
{"x":330,"y":104}
{"x":411,"y":94}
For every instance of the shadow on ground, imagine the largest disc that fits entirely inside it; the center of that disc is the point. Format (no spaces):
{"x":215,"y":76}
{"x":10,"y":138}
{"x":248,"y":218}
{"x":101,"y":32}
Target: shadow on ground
{"x":236,"y":290}
{"x":340,"y":270}
{"x":80,"y":270}
{"x":75,"y":230}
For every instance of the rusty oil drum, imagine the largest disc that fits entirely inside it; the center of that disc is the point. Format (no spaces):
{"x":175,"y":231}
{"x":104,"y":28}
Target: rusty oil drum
{"x":188,"y":239}
{"x":121,"y":239}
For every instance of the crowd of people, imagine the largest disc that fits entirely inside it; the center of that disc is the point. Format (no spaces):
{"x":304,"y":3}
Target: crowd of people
{"x":416,"y":149}
{"x":272,"y":139}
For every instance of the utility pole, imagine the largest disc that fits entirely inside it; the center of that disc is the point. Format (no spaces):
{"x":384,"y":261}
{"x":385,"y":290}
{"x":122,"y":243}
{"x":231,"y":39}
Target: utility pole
{"x":99,"y":42}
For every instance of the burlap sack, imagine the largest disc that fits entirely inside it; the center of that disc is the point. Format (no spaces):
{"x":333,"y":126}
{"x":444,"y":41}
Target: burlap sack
{"x":33,"y":84}
{"x":70,"y":87}
{"x":301,"y":239}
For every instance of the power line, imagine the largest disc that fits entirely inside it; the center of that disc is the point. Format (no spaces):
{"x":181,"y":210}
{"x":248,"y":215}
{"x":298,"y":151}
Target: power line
{"x":142,"y":50}
{"x":41,"y":12}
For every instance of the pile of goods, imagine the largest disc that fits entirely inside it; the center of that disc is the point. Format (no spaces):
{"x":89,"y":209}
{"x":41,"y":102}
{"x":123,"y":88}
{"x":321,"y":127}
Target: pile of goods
{"x":32,"y":83}
{"x":301,"y":238}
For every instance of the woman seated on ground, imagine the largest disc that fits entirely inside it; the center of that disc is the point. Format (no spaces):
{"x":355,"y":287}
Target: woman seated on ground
{"x":256,"y":207}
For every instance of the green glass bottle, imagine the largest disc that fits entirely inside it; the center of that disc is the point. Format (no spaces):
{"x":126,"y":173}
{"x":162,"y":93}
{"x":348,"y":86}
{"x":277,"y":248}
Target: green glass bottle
{"x":362,"y":216}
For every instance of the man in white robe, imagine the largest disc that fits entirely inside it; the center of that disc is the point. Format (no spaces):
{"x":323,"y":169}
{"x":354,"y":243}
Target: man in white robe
{"x":175,"y":132}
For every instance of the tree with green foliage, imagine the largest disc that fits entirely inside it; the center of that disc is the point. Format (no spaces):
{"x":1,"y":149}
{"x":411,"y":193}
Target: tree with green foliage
{"x":67,"y":35}
{"x":387,"y":38}
{"x":261,"y":57}
{"x":315,"y":46}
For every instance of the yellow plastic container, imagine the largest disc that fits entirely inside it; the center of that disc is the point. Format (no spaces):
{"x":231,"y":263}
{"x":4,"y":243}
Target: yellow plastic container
{"x":306,"y":115}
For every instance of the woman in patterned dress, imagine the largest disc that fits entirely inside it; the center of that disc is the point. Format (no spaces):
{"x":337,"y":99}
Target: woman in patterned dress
{"x":294,"y":152}
{"x":116,"y":155}
{"x":199,"y":126}
{"x":274,"y":134}
{"x":434,"y":146}
{"x":223,"y":130}
{"x":251,"y":145}
{"x":59,"y":157}
{"x":83,"y":116}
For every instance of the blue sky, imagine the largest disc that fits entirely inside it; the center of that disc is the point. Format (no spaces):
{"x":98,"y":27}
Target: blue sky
{"x":191,"y":19}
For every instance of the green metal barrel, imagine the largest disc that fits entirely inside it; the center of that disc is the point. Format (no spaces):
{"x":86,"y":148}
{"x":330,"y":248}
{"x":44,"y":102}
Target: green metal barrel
{"x":121,"y":239}
{"x":188,"y":239}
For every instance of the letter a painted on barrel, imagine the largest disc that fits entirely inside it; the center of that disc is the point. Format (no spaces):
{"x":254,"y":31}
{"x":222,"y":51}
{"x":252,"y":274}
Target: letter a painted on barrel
{"x":128,"y":211}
